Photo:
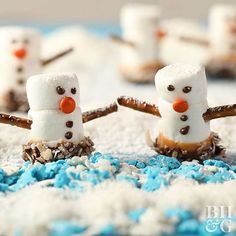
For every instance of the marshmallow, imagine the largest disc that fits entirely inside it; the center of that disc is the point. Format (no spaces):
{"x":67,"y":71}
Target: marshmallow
{"x":50,"y":125}
{"x":222,"y":29}
{"x":54,"y":107}
{"x":42,"y":90}
{"x":183,"y":100}
{"x":20,"y":58}
{"x":181,"y":76}
{"x":13,"y":38}
{"x":139,"y":23}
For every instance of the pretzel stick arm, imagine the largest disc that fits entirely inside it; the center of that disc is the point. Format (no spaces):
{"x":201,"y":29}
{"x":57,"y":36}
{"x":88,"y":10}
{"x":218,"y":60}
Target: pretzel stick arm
{"x":120,"y":40}
{"x":100,"y":112}
{"x":219,"y":112}
{"x":15,"y":121}
{"x":56,"y":57}
{"x":193,"y":40}
{"x":139,"y":105}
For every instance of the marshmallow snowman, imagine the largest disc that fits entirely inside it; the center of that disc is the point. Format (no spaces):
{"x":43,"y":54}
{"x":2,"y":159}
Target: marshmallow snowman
{"x":54,"y":108}
{"x":55,"y":119}
{"x":184,"y":126}
{"x":222,"y":30}
{"x":140,"y":58}
{"x":183,"y":100}
{"x":20,"y":58}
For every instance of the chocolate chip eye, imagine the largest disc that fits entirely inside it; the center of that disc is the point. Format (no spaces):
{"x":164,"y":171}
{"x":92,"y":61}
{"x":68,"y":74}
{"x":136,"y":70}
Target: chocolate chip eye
{"x":187,"y":89}
{"x":73,"y":90}
{"x":60,"y":90}
{"x":171,"y":87}
{"x":26,"y":41}
{"x":14,"y":41}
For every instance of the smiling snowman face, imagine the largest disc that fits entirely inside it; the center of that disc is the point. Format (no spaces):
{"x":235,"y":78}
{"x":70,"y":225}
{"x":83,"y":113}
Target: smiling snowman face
{"x":20,"y":43}
{"x":53,"y":92}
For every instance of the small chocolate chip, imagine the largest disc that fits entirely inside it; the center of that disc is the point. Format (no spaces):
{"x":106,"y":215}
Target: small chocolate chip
{"x":19,"y":69}
{"x":26,"y":41}
{"x":60,"y":90}
{"x":185,"y":130}
{"x":184,"y":117}
{"x":14,"y":41}
{"x":68,"y":135}
{"x":69,"y":124}
{"x":187,"y":89}
{"x":73,"y":90}
{"x":171,"y":87}
{"x":21,"y":81}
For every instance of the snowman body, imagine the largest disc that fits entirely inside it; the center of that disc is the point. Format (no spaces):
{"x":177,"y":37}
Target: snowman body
{"x":20,"y":58}
{"x":51,"y":125}
{"x":140,"y":23}
{"x":198,"y":130}
{"x":222,"y":35}
{"x":183,"y":132}
{"x":222,"y":30}
{"x":57,"y":128}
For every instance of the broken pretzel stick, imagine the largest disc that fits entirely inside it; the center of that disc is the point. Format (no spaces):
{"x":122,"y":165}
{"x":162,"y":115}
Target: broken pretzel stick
{"x":56,"y":57}
{"x":219,"y":112}
{"x":15,"y":121}
{"x":120,"y":40}
{"x":139,"y":105}
{"x":97,"y":113}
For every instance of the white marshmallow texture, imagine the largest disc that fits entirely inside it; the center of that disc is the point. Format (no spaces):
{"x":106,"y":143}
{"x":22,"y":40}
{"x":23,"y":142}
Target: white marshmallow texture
{"x":139,"y":23}
{"x":183,"y":100}
{"x":54,"y":107}
{"x":222,"y":29}
{"x":20,"y":58}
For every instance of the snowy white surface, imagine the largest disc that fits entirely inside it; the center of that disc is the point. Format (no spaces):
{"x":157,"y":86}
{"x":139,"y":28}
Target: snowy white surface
{"x":121,"y":134}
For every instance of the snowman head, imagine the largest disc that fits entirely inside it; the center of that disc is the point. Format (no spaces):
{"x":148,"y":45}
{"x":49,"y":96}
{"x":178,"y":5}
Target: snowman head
{"x":222,"y":21}
{"x":20,"y":43}
{"x":140,"y":20}
{"x":55,"y":91}
{"x":182,"y":85}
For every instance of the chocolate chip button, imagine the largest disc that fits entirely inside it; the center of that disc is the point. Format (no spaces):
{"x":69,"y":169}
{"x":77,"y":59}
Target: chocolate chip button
{"x":21,"y":81}
{"x":184,"y":117}
{"x":185,"y":130}
{"x":69,"y":124}
{"x":68,"y":135}
{"x":19,"y":69}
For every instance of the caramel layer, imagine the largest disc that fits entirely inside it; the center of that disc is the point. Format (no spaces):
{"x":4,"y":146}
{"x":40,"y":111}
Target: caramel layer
{"x":164,"y":142}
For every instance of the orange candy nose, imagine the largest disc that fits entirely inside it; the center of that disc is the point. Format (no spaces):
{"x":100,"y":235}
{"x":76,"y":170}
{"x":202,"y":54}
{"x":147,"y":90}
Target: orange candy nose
{"x":180,"y":105}
{"x":160,"y":34}
{"x":67,"y":105}
{"x":20,"y":53}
